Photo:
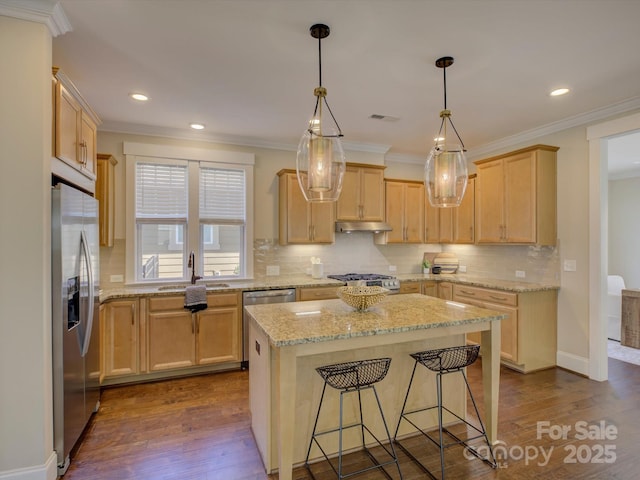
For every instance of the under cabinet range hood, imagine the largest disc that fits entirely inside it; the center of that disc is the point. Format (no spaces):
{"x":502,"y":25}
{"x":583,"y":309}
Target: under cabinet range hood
{"x":356,"y":226}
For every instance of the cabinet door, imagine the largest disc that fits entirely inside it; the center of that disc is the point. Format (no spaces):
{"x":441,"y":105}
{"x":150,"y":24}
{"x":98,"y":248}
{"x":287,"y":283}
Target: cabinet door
{"x":410,"y":287}
{"x":394,"y":211}
{"x":87,"y":153}
{"x":430,"y":289}
{"x":464,"y":215}
{"x":68,"y":112}
{"x":490,"y":202}
{"x":323,"y":222}
{"x":446,"y":225}
{"x":432,"y":223}
{"x":414,"y":213}
{"x":218,"y":336}
{"x":171,"y":340}
{"x":298,"y":212}
{"x":372,"y":194}
{"x":445,"y":290}
{"x":520,"y":198}
{"x":348,"y":206}
{"x":120,"y":344}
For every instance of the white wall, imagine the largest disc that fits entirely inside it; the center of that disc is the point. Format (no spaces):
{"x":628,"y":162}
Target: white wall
{"x":624,"y":230}
{"x":26,"y":420}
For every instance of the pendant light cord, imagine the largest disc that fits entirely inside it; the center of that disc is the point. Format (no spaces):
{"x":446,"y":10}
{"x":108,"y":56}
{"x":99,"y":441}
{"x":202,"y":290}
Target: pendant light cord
{"x":444,"y":118}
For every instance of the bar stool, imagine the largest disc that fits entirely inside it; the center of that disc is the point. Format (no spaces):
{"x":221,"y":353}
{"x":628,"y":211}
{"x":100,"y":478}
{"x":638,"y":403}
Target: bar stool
{"x":444,"y":361}
{"x":352,"y":377}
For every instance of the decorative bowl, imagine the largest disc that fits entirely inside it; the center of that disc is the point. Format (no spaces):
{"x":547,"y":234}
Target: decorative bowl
{"x":363,"y":297}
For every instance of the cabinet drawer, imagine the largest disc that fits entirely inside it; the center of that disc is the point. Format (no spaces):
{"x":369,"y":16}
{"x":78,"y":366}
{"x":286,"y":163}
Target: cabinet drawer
{"x":410,"y":287}
{"x":462,"y":292}
{"x":317,"y":293}
{"x":222,"y":299}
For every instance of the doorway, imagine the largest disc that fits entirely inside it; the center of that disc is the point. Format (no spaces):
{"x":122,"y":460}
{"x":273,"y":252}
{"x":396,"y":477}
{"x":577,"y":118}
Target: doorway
{"x":598,"y":137}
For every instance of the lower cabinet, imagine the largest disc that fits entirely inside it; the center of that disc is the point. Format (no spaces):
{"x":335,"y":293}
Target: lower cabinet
{"x":528,"y":335}
{"x":155,"y":337}
{"x":445,"y":290}
{"x":120,"y":338}
{"x":178,"y":338}
{"x":430,"y":288}
{"x":410,"y":287}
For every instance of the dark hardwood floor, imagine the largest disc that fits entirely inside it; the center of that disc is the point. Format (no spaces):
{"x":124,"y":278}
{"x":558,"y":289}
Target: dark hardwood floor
{"x":199,"y":428}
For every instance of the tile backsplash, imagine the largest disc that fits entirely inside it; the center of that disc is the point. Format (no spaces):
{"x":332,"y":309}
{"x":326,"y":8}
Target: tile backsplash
{"x":356,"y":252}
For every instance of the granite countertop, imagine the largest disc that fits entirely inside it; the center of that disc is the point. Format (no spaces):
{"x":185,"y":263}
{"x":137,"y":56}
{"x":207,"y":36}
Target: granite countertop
{"x":299,"y":281}
{"x":507,"y":285}
{"x":325,"y":320}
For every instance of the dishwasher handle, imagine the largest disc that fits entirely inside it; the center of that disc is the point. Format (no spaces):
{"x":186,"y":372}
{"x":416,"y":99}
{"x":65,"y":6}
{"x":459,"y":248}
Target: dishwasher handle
{"x":270,"y":293}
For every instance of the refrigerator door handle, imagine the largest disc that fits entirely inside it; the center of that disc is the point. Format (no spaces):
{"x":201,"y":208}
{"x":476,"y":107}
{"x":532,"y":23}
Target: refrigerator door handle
{"x":90,"y":293}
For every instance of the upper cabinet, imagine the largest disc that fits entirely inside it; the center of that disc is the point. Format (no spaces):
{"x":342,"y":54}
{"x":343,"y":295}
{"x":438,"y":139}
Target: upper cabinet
{"x":516,"y":197}
{"x":452,"y":224}
{"x":105,"y":185}
{"x":362,"y":196}
{"x":404,"y":211}
{"x":74,"y":134}
{"x":301,"y":221}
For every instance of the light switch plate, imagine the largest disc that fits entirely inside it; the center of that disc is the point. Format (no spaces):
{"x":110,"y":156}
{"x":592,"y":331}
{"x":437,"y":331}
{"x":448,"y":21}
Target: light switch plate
{"x":392,"y":268}
{"x":273,"y":270}
{"x":569,"y":265}
{"x":520,"y":274}
{"x":116,"y":279}
{"x":462,"y":269}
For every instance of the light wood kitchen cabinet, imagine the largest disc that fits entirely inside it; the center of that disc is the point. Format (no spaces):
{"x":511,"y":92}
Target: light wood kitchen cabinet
{"x":304,"y":294}
{"x":120,"y":338}
{"x":452,"y":224}
{"x":179,"y":339}
{"x":74,"y":129}
{"x":516,"y":197}
{"x":430,"y":288}
{"x":301,"y":221}
{"x":410,"y":287}
{"x":528,"y":336}
{"x":404,"y":211}
{"x":445,"y":290}
{"x":362,"y":196}
{"x":105,"y":185}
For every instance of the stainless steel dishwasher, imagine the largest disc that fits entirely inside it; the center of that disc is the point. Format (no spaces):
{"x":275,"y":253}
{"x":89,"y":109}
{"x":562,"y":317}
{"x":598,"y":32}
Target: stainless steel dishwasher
{"x":260,"y":297}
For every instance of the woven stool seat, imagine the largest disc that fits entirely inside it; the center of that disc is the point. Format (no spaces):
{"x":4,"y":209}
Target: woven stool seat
{"x":355,"y":374}
{"x":448,"y":359}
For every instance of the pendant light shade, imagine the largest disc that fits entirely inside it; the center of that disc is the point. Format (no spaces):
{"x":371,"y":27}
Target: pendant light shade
{"x":320,"y":163}
{"x":446,"y":168}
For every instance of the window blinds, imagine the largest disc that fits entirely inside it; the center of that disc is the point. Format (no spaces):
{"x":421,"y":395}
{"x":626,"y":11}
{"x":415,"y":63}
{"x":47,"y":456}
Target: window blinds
{"x":222,"y":195}
{"x":161,"y":191}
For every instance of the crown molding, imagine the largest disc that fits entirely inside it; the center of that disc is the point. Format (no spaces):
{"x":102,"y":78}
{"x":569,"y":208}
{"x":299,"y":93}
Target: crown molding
{"x":47,"y":12}
{"x":554,"y":127}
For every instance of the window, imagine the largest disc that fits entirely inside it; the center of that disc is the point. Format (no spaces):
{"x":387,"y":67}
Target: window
{"x":182,"y":205}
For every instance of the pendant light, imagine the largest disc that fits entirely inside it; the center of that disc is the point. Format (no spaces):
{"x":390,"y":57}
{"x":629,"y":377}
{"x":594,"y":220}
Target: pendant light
{"x":320,"y":163}
{"x":446,"y":168}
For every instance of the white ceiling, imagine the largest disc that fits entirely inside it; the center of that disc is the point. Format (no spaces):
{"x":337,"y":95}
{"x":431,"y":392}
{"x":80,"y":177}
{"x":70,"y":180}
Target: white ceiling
{"x":247,"y":68}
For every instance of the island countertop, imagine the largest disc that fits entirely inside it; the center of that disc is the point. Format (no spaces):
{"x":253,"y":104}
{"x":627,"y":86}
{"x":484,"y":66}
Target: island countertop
{"x":325,"y":320}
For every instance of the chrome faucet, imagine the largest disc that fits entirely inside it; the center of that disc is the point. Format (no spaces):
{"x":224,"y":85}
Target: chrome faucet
{"x":192,"y":266}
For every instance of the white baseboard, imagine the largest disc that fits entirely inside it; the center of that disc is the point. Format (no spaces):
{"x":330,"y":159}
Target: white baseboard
{"x":48,"y":471}
{"x":573,"y":362}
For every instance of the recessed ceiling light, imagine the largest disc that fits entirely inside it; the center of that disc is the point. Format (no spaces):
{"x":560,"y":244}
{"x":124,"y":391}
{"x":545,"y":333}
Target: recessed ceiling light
{"x":559,"y":91}
{"x":141,"y":97}
{"x":197,"y":126}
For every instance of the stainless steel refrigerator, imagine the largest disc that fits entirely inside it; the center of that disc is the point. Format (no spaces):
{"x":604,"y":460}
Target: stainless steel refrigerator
{"x":75,"y":306}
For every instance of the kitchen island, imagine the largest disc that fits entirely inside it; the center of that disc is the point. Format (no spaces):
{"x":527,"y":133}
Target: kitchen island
{"x":288,"y":341}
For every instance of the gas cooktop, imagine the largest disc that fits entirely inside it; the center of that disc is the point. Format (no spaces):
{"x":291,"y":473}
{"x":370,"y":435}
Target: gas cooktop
{"x":369,"y":279}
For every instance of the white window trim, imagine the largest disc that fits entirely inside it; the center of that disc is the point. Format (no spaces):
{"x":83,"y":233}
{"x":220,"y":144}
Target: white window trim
{"x":133,"y":151}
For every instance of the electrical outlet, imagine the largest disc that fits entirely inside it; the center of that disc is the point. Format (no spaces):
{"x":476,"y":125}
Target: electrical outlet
{"x":520,"y":274}
{"x":392,"y":268}
{"x":462,"y":269}
{"x":569,"y":265}
{"x":273,"y":270}
{"x":116,"y":279}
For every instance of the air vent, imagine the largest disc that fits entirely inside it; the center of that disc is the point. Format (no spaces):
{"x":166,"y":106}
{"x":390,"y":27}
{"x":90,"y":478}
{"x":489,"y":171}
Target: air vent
{"x":385,"y":118}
